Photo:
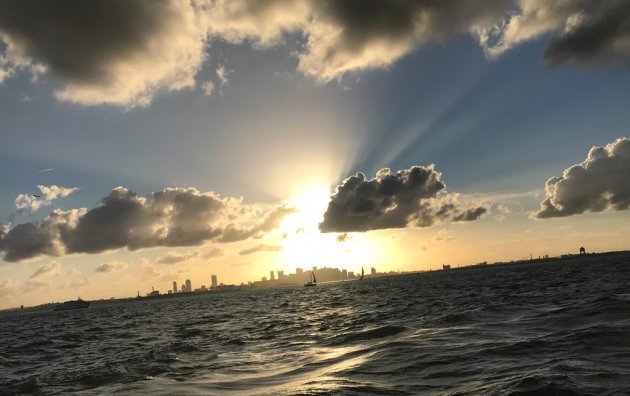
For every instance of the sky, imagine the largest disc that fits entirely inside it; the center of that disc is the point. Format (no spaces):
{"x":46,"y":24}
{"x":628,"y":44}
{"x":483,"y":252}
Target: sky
{"x":145,"y":142}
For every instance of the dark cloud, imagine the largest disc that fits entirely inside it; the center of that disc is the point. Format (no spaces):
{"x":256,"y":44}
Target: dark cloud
{"x":600,"y":183}
{"x":125,"y":52}
{"x":27,"y":240}
{"x":260,"y":248}
{"x":355,"y":34}
{"x":407,"y":198}
{"x":601,"y":35}
{"x":581,"y":32}
{"x":171,"y":217}
{"x":342,"y":237}
{"x":101,"y":50}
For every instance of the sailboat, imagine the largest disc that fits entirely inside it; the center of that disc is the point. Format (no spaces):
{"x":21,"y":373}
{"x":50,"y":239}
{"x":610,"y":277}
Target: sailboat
{"x":362,"y":273}
{"x":313,"y":281}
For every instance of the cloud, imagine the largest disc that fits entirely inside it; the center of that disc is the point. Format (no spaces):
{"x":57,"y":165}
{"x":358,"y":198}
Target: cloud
{"x":214,"y":252}
{"x":111,"y":266}
{"x":28,"y":203}
{"x":45,"y":269}
{"x":599,"y":183}
{"x":175,"y":257}
{"x":207,"y":87}
{"x":583,"y":32}
{"x":223,"y":75}
{"x":124,"y":53}
{"x":345,"y":36}
{"x":358,"y":34}
{"x":260,"y":248}
{"x":6,"y":287}
{"x":342,"y":237}
{"x":171,"y":217}
{"x":442,"y":236}
{"x":410,"y":197}
{"x":118,"y":53}
{"x":29,"y":286}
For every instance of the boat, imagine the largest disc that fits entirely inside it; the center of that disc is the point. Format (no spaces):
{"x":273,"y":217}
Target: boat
{"x":73,"y":304}
{"x":362,"y":273}
{"x":313,"y":281}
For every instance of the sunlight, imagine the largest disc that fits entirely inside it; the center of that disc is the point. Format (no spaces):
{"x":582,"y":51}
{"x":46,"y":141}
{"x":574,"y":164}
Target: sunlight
{"x":304,"y":246}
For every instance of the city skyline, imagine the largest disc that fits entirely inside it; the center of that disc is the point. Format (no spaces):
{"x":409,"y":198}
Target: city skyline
{"x":169,"y":140}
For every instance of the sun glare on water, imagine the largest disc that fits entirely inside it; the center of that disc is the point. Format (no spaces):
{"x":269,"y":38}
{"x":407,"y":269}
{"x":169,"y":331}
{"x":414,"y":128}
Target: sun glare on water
{"x":304,"y":246}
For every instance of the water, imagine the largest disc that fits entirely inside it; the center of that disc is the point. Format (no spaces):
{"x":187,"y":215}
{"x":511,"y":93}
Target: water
{"x":561,"y":328}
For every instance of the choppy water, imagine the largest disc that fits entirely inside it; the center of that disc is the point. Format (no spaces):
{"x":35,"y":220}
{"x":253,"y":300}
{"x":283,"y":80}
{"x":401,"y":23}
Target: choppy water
{"x":559,"y":328}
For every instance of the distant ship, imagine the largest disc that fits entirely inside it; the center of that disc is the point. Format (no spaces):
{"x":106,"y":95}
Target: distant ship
{"x":313,"y":281}
{"x":74,"y":304}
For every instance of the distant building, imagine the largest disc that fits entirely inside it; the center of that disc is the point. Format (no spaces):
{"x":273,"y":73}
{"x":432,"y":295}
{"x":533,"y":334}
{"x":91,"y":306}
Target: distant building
{"x":582,"y":250}
{"x":314,"y":268}
{"x":280,"y":274}
{"x":350,"y":274}
{"x":373,"y":271}
{"x":272,"y":277}
{"x":344,"y":274}
{"x":183,"y":288}
{"x":174,"y":287}
{"x":263,"y":279}
{"x":446,"y":267}
{"x":188,"y":285}
{"x":215,"y":283}
{"x":299,"y":271}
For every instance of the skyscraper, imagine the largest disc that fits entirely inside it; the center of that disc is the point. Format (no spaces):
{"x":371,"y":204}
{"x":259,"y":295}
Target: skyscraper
{"x":188,"y":285}
{"x":215,"y":283}
{"x":272,"y":276}
{"x":174,"y":286}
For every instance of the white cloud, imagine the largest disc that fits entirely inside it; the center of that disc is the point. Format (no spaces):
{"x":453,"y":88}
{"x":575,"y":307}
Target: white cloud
{"x":207,"y":87}
{"x":599,"y":183}
{"x":28,"y":203}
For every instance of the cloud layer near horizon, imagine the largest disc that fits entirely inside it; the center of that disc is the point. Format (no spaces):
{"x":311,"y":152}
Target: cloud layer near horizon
{"x":124,"y":53}
{"x":599,"y":183}
{"x":407,"y":198}
{"x":171,"y":217}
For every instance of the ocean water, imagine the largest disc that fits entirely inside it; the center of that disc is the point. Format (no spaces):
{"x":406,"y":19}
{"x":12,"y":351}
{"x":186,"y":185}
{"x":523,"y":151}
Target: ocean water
{"x":554,"y":328}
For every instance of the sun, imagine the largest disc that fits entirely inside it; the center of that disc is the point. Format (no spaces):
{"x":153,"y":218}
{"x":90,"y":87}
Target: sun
{"x":303,"y":245}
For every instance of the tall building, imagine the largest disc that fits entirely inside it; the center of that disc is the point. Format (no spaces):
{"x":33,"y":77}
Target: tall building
{"x":183,"y":288}
{"x":280,"y":274}
{"x":188,"y":285}
{"x":373,"y":271}
{"x":344,"y":274}
{"x":272,"y":276}
{"x":299,"y":271}
{"x":215,"y":283}
{"x":174,"y":286}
